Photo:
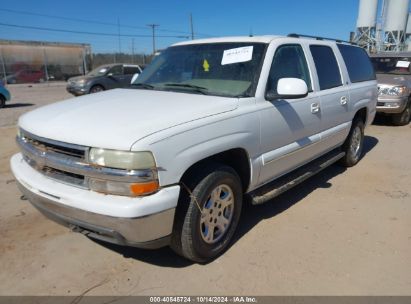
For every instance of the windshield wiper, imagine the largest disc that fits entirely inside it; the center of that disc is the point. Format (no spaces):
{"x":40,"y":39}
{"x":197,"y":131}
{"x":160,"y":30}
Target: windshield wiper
{"x":189,"y":86}
{"x":143,"y":85}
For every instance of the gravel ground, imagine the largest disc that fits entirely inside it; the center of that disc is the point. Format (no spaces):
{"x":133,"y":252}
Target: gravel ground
{"x":342,"y":232}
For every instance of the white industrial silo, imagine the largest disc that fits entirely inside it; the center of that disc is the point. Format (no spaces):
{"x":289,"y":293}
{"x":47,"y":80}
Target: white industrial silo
{"x":366,"y":20}
{"x":367,"y":13}
{"x":395,"y":23}
{"x":408,"y":27}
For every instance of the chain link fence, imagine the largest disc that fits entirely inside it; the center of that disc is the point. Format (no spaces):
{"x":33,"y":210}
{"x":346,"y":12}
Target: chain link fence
{"x":31,"y":62}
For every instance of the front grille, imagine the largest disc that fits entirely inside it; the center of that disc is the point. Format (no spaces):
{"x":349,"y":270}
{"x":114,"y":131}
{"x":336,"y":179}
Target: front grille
{"x":66,"y":177}
{"x":57,"y":150}
{"x":52,"y":147}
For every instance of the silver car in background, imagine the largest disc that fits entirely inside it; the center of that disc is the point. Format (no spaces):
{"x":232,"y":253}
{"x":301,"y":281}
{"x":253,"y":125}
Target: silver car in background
{"x":394,"y":85}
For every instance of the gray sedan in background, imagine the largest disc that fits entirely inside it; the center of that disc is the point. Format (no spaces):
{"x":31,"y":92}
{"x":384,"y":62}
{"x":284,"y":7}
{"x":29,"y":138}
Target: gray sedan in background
{"x":104,"y":77}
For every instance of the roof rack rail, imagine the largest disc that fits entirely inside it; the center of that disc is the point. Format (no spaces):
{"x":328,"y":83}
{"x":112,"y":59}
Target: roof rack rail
{"x":293,"y":35}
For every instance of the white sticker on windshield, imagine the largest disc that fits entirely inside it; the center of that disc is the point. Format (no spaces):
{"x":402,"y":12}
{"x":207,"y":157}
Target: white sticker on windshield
{"x":402,"y":64}
{"x":241,"y":54}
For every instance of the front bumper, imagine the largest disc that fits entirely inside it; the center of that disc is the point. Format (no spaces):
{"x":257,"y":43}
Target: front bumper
{"x":391,"y":105}
{"x":76,"y":90}
{"x":144,"y":222}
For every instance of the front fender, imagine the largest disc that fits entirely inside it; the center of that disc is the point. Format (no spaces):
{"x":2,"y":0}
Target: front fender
{"x":184,"y":146}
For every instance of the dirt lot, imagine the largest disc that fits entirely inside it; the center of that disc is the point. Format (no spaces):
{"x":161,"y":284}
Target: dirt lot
{"x":344,"y":232}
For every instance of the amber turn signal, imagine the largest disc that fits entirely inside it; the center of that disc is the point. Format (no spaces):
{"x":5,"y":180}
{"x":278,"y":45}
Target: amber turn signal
{"x":144,"y":188}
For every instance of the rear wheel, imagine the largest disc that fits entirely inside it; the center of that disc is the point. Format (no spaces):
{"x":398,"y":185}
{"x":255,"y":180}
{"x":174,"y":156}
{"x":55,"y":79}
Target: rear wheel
{"x":204,"y":229}
{"x":403,"y":118}
{"x":2,"y":101}
{"x":353,"y":145}
{"x":96,"y":89}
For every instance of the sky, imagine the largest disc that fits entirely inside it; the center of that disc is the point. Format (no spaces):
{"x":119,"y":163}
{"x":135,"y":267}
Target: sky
{"x":212,"y":18}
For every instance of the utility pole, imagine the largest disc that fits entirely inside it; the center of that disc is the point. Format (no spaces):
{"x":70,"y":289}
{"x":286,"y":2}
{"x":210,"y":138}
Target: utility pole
{"x":153,"y":28}
{"x":132,"y":50}
{"x":191,"y":26}
{"x":119,"y":34}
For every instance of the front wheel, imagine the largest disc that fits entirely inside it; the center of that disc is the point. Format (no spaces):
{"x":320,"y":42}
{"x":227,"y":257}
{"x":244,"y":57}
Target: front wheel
{"x":353,"y":145}
{"x":403,"y":118}
{"x":2,"y":102}
{"x":204,"y":229}
{"x":96,"y":89}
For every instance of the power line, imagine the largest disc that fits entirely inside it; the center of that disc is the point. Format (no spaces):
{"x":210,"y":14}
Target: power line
{"x":93,"y":21}
{"x":85,"y":32}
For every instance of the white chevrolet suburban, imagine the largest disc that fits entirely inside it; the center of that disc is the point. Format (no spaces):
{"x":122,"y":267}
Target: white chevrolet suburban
{"x":208,"y":123}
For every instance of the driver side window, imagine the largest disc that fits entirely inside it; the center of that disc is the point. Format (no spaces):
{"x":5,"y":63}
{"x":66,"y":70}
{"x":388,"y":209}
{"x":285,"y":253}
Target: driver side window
{"x":288,"y":62}
{"x":116,"y":70}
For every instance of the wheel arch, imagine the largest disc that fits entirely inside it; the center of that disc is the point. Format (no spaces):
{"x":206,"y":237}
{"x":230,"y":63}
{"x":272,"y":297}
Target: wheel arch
{"x":362,"y":113}
{"x":236,"y":158}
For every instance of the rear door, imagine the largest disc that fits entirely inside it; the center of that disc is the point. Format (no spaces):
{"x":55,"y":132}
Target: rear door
{"x":362,"y":79}
{"x":289,"y":127}
{"x":334,"y":95}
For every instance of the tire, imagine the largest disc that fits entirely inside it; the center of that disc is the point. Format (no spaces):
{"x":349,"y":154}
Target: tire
{"x":403,"y":118}
{"x":2,"y":102}
{"x":203,"y":235}
{"x":96,"y":89}
{"x":354,"y":144}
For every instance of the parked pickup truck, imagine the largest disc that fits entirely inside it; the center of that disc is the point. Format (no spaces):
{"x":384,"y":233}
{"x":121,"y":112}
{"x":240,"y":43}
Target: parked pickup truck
{"x":394,"y":85}
{"x":168,"y":161}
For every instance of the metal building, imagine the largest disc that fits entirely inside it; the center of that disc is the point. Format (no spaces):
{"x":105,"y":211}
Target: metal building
{"x":34,"y":61}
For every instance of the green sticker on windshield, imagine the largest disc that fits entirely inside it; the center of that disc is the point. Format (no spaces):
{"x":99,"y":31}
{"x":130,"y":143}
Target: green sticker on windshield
{"x":206,"y":66}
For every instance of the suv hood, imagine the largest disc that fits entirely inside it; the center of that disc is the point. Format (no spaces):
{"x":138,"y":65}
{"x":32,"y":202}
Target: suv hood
{"x":77,"y":78}
{"x":118,"y":118}
{"x":393,"y":79}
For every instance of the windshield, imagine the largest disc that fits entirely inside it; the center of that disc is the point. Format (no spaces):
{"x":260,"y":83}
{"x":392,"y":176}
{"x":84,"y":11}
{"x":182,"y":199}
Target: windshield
{"x":392,"y":65}
{"x":100,"y":71}
{"x":221,"y":69}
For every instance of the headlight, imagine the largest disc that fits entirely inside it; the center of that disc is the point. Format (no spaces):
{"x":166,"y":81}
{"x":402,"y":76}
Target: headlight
{"x":81,"y":82}
{"x":130,"y":162}
{"x":122,"y":159}
{"x":392,"y":91}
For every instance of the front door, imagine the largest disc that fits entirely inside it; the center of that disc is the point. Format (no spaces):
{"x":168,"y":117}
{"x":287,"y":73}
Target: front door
{"x":116,"y":77}
{"x":289,"y":127}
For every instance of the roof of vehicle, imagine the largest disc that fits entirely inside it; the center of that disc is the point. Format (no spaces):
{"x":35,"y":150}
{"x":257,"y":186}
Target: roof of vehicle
{"x":256,"y":39}
{"x":261,"y":39}
{"x":391,"y":54}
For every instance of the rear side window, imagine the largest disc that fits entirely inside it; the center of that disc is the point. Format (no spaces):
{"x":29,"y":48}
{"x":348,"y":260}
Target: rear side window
{"x":358,"y":63}
{"x":131,"y":70}
{"x":327,"y":67}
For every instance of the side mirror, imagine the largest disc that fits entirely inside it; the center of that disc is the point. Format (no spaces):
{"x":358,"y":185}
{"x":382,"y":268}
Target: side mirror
{"x":134,"y":78}
{"x":289,"y":88}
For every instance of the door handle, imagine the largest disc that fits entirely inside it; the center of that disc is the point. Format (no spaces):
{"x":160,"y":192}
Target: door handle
{"x":343,"y":100}
{"x":315,"y":107}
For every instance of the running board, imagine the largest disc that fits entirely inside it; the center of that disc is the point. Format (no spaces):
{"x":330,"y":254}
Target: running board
{"x":282,"y":184}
